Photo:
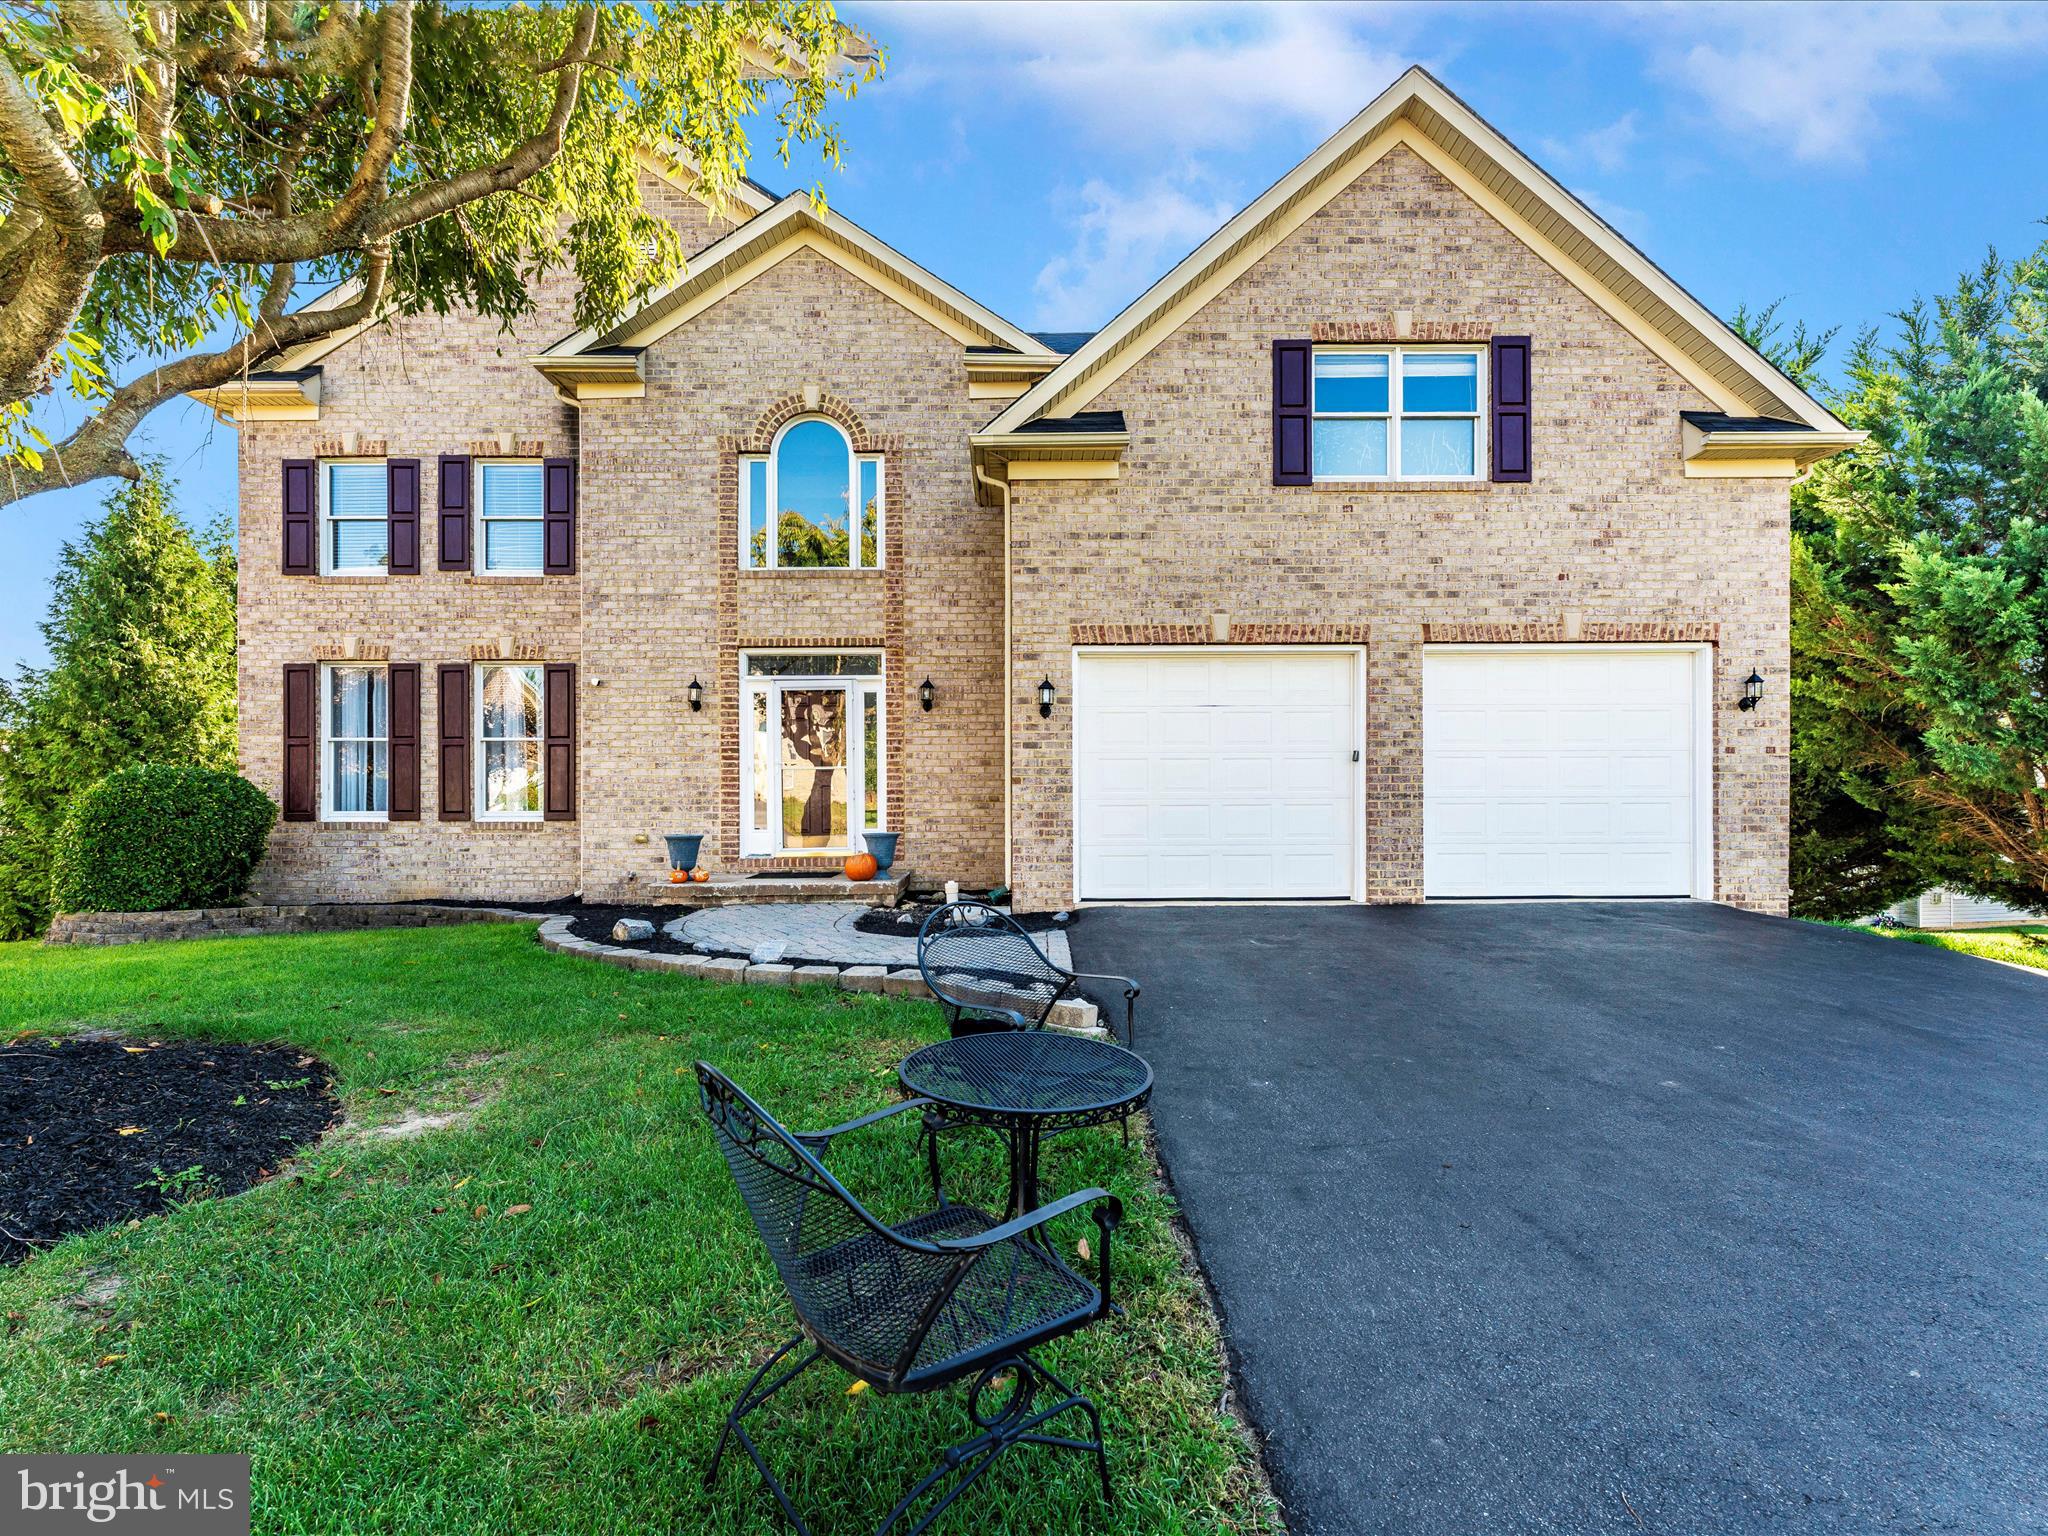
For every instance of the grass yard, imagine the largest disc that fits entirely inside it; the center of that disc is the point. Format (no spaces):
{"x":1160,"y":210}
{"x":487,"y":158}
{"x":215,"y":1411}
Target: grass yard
{"x":532,"y":1318}
{"x":2018,"y":946}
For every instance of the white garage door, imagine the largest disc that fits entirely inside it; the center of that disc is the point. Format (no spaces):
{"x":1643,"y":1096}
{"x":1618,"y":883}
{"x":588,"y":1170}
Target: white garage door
{"x":1558,"y":773}
{"x":1208,"y":774}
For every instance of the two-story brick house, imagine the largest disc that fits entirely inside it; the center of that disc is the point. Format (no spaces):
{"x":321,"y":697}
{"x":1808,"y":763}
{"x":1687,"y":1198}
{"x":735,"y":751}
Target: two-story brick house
{"x":1415,"y":536}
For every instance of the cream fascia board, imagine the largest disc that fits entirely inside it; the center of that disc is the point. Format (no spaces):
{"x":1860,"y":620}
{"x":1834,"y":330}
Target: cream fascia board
{"x":1802,"y":449}
{"x":1741,"y":469}
{"x":1333,"y":166}
{"x":243,"y":400}
{"x":792,"y":224}
{"x":1063,"y":469}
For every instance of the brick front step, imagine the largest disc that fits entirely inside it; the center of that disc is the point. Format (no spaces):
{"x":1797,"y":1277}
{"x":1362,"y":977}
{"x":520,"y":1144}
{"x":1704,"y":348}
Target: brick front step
{"x":740,"y":890}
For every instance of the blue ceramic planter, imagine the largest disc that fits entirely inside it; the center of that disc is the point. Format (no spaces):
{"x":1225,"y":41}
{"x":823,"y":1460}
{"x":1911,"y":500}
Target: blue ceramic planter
{"x":683,"y":848}
{"x":883,"y":846}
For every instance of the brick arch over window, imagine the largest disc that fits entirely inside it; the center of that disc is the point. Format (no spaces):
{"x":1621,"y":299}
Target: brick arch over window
{"x":896,"y":499}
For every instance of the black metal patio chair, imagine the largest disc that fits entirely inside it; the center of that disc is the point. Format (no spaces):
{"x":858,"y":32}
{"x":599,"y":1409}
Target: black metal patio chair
{"x":988,"y":973}
{"x":946,"y":1296}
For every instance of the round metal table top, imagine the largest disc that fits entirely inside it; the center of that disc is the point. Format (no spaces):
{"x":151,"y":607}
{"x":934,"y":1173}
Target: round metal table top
{"x":1019,"y":1072}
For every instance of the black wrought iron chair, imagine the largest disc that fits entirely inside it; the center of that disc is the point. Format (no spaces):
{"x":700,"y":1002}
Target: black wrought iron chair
{"x":988,"y":973}
{"x":929,"y":1302}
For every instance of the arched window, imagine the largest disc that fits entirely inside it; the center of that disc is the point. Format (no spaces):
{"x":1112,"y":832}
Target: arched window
{"x":811,"y":502}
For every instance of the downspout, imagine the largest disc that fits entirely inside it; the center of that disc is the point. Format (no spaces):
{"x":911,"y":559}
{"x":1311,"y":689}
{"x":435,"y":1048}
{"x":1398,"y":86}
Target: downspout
{"x":1002,"y":489}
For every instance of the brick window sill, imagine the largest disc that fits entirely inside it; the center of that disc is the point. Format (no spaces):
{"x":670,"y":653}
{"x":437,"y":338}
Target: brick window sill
{"x":504,"y":578}
{"x":813,"y":570}
{"x":1398,"y":487}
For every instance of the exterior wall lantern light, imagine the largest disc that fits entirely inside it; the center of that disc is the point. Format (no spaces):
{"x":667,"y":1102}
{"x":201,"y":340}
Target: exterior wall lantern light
{"x":1752,"y":691}
{"x":696,"y":695}
{"x":927,"y":695}
{"x":1045,"y":697}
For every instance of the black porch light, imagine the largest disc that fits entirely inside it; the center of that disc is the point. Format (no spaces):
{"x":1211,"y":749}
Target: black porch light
{"x":696,"y":695}
{"x":1752,"y":691}
{"x":1045,"y":697}
{"x":927,"y":695}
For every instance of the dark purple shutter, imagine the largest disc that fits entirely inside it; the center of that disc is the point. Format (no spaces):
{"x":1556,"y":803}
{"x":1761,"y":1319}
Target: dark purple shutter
{"x":454,"y":720}
{"x":403,"y":713}
{"x":402,"y":508}
{"x":558,"y":479}
{"x":301,"y":681}
{"x":454,"y":494}
{"x":1512,"y":458}
{"x":301,"y":558}
{"x":1293,"y":370}
{"x":558,"y":714}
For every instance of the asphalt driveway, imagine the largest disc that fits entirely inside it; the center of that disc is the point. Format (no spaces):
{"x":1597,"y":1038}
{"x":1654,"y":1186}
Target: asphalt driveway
{"x":1610,"y":1217}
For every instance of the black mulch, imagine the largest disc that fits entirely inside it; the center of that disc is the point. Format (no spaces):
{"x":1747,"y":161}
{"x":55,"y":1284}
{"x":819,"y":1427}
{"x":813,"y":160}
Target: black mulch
{"x":97,"y":1131}
{"x":906,"y":921}
{"x":594,"y":922}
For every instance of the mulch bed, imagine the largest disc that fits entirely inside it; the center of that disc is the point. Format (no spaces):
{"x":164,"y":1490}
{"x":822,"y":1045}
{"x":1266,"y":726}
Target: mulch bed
{"x":906,"y":921}
{"x":95,"y":1131}
{"x":595,"y":923}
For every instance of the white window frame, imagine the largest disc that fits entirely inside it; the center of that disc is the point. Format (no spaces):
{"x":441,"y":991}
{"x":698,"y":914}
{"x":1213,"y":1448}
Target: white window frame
{"x":327,"y":519}
{"x":1394,"y":414}
{"x":483,"y":517}
{"x":328,"y":740}
{"x":854,"y":505}
{"x":766,"y":842}
{"x":477,"y":738}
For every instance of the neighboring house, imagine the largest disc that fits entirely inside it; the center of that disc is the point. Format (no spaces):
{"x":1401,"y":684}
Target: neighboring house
{"x":1952,"y":909}
{"x":1413,"y":537}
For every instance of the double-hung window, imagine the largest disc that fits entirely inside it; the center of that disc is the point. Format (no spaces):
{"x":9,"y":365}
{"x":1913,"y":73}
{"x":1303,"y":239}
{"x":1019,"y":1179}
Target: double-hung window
{"x":509,"y":512}
{"x":510,"y":749}
{"x":355,"y":723}
{"x":1399,"y":413}
{"x":355,"y":515}
{"x":811,"y":502}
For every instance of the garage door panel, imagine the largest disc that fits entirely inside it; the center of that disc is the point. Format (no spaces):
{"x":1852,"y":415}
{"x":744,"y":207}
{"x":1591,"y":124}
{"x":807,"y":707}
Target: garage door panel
{"x":1557,"y":772}
{"x":1220,"y":775}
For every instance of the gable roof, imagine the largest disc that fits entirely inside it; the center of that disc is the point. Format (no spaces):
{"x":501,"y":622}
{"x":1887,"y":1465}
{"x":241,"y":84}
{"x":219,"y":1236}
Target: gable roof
{"x":1419,"y":112}
{"x":796,"y":223}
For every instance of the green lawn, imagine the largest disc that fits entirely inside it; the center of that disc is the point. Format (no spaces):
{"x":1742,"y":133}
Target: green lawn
{"x":401,"y":1352}
{"x":2020,"y":946}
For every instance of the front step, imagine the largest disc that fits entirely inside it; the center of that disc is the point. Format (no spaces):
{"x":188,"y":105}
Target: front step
{"x":740,"y":890}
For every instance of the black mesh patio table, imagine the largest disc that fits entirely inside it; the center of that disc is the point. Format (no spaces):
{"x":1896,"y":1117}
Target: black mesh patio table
{"x":1028,"y":1083}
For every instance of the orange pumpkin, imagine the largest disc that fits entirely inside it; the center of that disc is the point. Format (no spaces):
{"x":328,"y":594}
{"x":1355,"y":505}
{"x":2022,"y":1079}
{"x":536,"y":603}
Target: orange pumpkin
{"x":679,"y":877}
{"x":700,"y":875}
{"x":861,"y":866}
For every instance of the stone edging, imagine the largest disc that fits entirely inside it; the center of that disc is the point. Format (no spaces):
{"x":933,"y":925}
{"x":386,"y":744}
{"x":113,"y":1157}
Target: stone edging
{"x":1073,"y":1015}
{"x":257,"y":921}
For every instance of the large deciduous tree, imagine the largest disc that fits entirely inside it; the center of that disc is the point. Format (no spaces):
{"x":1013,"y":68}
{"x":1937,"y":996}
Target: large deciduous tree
{"x":1920,"y":608}
{"x":141,"y":631}
{"x":171,"y":172}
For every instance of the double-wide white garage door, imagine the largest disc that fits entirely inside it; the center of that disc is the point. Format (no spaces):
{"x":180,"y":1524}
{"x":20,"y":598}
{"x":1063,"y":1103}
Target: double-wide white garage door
{"x":1546,"y":772}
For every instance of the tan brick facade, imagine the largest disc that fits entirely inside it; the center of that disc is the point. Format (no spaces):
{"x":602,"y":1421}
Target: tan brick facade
{"x":1610,"y":542}
{"x":1192,"y":545}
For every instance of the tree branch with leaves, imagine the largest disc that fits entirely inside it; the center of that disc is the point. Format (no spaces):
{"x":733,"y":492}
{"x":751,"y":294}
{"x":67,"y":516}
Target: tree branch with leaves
{"x":170,"y":174}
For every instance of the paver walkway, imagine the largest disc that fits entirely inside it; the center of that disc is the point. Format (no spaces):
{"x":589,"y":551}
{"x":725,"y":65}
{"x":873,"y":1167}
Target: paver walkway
{"x":821,"y":930}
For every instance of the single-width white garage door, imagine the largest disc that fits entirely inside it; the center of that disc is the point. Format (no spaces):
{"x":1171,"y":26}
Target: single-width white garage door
{"x":1209,"y":774}
{"x":1558,"y":772}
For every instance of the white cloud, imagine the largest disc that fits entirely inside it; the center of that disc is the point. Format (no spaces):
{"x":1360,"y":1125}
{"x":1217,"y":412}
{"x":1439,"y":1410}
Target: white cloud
{"x":1122,"y":242}
{"x":1604,"y":149}
{"x":1189,"y":75}
{"x":1822,"y":81}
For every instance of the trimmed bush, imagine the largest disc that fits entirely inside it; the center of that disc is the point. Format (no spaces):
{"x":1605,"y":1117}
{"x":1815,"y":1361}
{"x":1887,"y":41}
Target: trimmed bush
{"x":159,"y":838}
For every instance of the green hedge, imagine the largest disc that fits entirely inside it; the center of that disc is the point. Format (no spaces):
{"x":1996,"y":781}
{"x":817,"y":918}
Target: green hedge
{"x":159,"y":838}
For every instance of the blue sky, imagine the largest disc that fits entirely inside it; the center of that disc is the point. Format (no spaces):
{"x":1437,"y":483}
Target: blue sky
{"x":1052,"y":159}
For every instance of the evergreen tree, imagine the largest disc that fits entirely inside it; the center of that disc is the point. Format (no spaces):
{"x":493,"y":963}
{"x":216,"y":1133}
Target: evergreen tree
{"x":141,"y":632}
{"x":1920,"y":609}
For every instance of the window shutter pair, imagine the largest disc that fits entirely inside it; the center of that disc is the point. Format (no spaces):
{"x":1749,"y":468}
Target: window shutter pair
{"x":302,"y":741}
{"x":1294,"y":411}
{"x":401,"y":510}
{"x":558,"y":726}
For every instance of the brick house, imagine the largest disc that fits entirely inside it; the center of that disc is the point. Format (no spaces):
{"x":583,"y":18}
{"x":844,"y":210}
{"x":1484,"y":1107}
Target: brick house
{"x":1415,"y":536}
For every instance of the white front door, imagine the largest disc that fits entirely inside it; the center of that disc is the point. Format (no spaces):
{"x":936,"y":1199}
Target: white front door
{"x":1558,"y":772}
{"x":1210,"y":774}
{"x":811,"y":759}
